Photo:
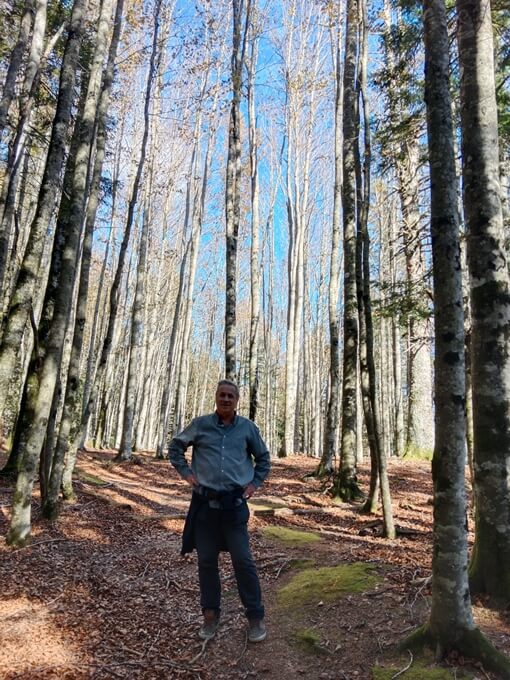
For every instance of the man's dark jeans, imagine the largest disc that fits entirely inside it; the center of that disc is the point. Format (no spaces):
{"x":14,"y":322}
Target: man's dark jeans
{"x":215,"y":530}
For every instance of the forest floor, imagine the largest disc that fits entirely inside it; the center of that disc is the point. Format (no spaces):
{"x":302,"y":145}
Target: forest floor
{"x":104,"y":592}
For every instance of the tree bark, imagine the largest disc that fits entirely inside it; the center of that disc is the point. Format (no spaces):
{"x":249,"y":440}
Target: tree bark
{"x":58,"y":298}
{"x":450,"y":626}
{"x":345,"y":484}
{"x":114,"y":291}
{"x":21,"y":309}
{"x":331,"y":425}
{"x":232,"y":184}
{"x":490,"y":301}
{"x":15,"y":63}
{"x":70,"y":415}
{"x":255,"y":227}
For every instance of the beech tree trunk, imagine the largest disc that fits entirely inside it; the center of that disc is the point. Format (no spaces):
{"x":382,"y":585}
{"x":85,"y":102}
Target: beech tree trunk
{"x":490,"y":301}
{"x":255,"y":227}
{"x":331,"y":425}
{"x":232,"y":183}
{"x":345,"y":484}
{"x":450,"y":626}
{"x":15,"y":63}
{"x":115,"y":289}
{"x":71,"y":411}
{"x":58,"y":299}
{"x":22,"y":305}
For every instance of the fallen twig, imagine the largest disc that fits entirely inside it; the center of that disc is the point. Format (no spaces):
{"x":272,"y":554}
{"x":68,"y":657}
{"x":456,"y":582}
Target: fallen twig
{"x":50,"y":540}
{"x":244,"y":649}
{"x":404,"y":669}
{"x":153,"y":643}
{"x":286,"y":563}
{"x":202,"y":650}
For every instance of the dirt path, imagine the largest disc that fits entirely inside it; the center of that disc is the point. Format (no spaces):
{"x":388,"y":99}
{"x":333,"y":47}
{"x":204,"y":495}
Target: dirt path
{"x":104,"y":593}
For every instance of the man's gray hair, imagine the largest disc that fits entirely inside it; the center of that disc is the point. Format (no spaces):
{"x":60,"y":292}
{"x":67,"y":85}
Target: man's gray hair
{"x":230,"y":383}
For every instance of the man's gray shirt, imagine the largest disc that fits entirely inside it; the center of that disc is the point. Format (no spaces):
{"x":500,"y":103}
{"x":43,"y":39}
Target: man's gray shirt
{"x":224,"y":456}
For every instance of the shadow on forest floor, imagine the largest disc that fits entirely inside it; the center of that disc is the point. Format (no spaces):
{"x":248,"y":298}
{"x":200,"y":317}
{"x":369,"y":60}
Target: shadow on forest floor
{"x":104,"y":592}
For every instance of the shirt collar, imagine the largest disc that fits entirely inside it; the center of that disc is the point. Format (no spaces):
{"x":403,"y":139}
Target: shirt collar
{"x":220,"y":423}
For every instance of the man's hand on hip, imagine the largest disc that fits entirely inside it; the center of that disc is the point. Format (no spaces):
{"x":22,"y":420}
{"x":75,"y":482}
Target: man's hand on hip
{"x":192,"y":480}
{"x":249,"y":491}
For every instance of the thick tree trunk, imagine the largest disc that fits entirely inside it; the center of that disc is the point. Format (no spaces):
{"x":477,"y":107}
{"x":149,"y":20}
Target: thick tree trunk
{"x":450,"y":626}
{"x":71,"y":415}
{"x":490,"y":301}
{"x":58,"y":298}
{"x":21,"y":309}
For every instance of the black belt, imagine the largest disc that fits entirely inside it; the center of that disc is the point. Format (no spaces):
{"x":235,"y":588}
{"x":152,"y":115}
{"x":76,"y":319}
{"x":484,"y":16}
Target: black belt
{"x":205,"y":492}
{"x":212,"y":494}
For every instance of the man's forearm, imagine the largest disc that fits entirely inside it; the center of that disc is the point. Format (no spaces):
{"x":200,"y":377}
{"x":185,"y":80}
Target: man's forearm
{"x":178,"y":460}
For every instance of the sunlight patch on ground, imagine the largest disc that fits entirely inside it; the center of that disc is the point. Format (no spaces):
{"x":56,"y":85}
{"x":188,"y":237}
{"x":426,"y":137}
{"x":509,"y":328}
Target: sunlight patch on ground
{"x":30,"y":639}
{"x":87,"y":533}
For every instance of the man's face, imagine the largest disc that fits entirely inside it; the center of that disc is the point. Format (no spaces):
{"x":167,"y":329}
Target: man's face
{"x":226,"y":401}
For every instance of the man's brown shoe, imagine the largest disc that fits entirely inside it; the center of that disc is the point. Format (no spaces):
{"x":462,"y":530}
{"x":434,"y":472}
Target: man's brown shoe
{"x":257,"y":630}
{"x":210,"y":625}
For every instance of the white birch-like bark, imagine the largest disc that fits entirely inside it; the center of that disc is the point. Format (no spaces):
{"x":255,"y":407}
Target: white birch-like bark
{"x":450,"y":626}
{"x":21,"y":309}
{"x":58,"y":298}
{"x":233,"y":181}
{"x":450,"y":616}
{"x":332,"y":420}
{"x":71,"y":397}
{"x":114,"y":291}
{"x":490,"y":301}
{"x":255,"y":227}
{"x":345,"y":484}
{"x":15,"y":63}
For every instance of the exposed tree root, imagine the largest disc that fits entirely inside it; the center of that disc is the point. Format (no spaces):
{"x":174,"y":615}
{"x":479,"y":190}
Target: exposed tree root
{"x":347,"y":489}
{"x":322,"y":471}
{"x":470,"y":643}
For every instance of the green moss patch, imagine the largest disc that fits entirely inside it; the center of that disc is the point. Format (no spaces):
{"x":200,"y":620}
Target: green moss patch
{"x":266,"y":503}
{"x":418,"y":671}
{"x":90,"y":479}
{"x":301,"y":563}
{"x":327,"y":584}
{"x":308,"y":640}
{"x":291,"y":536}
{"x":415,"y":453}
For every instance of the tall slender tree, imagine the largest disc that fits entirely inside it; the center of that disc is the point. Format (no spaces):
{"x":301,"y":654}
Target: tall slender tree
{"x":331,"y":425}
{"x":490,"y":300}
{"x":45,"y":369}
{"x":71,"y":397}
{"x":345,"y":483}
{"x":23,"y":303}
{"x":240,"y":9}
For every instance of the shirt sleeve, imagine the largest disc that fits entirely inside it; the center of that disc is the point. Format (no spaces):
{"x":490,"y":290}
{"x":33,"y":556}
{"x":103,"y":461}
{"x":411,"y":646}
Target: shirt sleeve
{"x":178,"y":446}
{"x":258,"y":449}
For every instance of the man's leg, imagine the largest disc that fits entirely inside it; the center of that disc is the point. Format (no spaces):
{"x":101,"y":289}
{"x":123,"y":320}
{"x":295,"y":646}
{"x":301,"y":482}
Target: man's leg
{"x":235,"y":531}
{"x":207,"y":541}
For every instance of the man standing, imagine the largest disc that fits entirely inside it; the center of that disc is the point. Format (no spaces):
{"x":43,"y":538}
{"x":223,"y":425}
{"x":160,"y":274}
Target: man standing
{"x":223,"y":476}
